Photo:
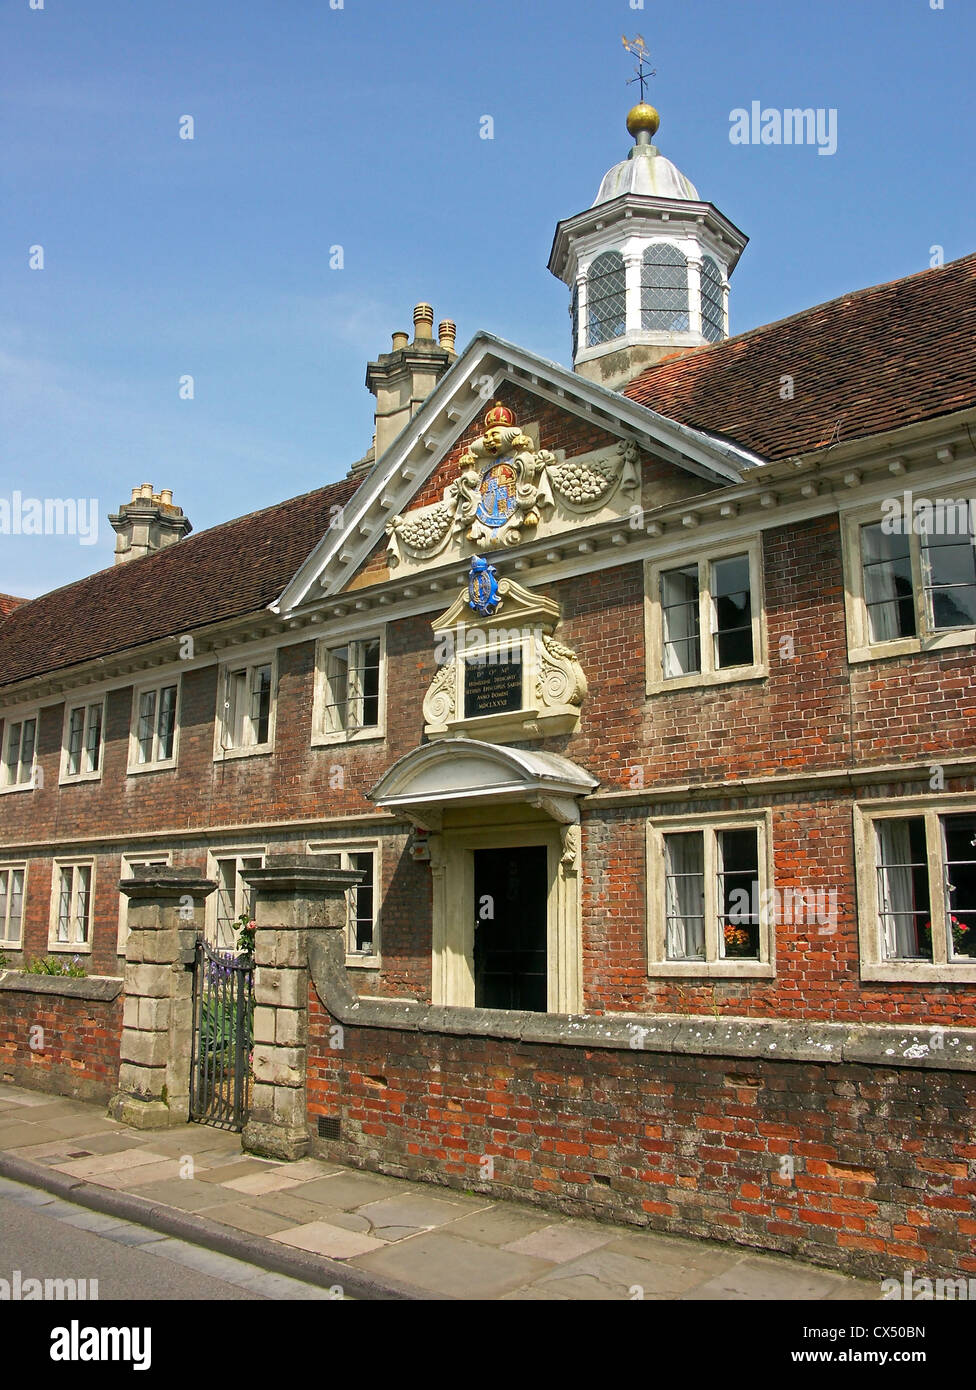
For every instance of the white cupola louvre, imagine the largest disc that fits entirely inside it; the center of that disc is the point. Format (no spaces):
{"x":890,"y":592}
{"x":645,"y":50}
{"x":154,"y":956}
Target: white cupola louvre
{"x":648,"y":264}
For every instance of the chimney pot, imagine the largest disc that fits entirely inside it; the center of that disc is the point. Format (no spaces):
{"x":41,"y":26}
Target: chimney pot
{"x":446,"y":334}
{"x":144,"y":530}
{"x":400,"y":340}
{"x":423,"y":322}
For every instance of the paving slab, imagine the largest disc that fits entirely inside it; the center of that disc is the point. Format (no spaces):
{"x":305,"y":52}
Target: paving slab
{"x":198,"y":1139}
{"x":620,"y":1277}
{"x":223,"y":1172}
{"x":75,"y":1126}
{"x":535,"y":1293}
{"x":131,"y":1179}
{"x":499,"y":1224}
{"x":121,"y":1162}
{"x":456,"y":1268}
{"x":296,"y":1210}
{"x":26,"y":1099}
{"x":420,"y":1210}
{"x":306,"y":1169}
{"x":752,"y":1279}
{"x":350,"y":1190}
{"x":323,"y":1239}
{"x":560,"y":1242}
{"x":182,"y":1193}
{"x":256,"y":1184}
{"x":246,"y":1218}
{"x":18,"y":1133}
{"x":686,"y":1254}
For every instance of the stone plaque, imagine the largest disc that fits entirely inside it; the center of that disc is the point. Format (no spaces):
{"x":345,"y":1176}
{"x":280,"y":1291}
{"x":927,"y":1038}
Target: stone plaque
{"x":493,"y":686}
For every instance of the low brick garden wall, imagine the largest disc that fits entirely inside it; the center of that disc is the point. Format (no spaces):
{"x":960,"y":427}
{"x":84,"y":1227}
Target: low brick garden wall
{"x":60,"y":1034}
{"x":861,"y":1167}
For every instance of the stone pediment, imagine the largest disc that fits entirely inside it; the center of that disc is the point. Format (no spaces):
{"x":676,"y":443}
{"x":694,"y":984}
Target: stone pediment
{"x":385,"y":497}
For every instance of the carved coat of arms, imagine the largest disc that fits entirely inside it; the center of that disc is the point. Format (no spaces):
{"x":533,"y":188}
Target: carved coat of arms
{"x":505,"y":486}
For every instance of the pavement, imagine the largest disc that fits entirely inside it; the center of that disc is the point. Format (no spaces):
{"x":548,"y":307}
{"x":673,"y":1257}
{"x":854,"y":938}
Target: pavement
{"x":364,"y":1235}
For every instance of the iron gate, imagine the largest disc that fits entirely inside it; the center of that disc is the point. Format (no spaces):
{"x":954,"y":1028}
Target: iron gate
{"x":223,"y":1036}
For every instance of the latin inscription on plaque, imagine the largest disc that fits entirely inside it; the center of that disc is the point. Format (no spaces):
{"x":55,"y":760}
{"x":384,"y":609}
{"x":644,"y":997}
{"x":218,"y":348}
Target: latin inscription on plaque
{"x":493,"y":686}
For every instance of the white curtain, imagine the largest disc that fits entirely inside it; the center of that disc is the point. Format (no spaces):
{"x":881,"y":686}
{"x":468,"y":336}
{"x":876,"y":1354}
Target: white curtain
{"x":685,"y":896}
{"x":896,"y":898}
{"x":679,"y":605}
{"x":880,"y":590}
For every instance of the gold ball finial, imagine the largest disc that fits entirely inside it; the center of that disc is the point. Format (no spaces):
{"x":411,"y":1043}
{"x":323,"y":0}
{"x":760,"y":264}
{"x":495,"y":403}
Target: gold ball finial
{"x":642,"y":117}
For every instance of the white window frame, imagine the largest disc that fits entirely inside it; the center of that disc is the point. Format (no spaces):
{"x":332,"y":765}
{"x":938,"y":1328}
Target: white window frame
{"x":714,"y":965}
{"x":83,"y":774}
{"x":322,"y":733}
{"x":251,"y":664}
{"x":657,"y":682}
{"x":9,"y":867}
{"x":18,"y":717}
{"x":154,"y":764}
{"x":860,"y":646}
{"x":163,"y":857}
{"x":359,"y":960}
{"x":75,"y":947}
{"x":215,"y":857}
{"x":875,"y":965}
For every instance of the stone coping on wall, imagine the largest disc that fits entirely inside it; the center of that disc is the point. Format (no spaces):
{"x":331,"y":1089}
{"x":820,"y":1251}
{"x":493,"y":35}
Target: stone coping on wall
{"x":950,"y":1049}
{"x":104,"y":987}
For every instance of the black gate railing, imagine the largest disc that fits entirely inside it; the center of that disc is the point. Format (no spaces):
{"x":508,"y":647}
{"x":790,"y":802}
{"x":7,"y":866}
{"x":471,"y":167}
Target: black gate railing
{"x":223,"y":1036}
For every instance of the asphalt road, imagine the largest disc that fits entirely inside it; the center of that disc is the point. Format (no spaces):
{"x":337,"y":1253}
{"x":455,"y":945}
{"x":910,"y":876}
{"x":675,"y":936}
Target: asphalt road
{"x":46,"y":1238}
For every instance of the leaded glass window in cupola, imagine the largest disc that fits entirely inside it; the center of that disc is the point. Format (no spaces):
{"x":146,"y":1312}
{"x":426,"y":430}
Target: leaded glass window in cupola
{"x":664,"y":289}
{"x":606,"y":298}
{"x":713,"y":308}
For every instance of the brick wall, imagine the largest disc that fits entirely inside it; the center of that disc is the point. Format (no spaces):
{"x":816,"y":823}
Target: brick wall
{"x":862,"y":1168}
{"x":79,"y":1055}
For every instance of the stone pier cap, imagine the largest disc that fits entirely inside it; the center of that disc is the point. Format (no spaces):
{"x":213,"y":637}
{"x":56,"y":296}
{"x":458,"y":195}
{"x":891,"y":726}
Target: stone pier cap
{"x":161,"y":881}
{"x":300,"y":873}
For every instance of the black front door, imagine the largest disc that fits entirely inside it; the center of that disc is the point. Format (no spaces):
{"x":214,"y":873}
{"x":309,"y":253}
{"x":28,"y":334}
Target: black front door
{"x":510,"y":896}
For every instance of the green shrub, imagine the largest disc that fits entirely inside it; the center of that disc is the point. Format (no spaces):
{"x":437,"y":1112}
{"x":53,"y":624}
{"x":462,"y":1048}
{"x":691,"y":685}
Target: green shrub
{"x":55,"y":965}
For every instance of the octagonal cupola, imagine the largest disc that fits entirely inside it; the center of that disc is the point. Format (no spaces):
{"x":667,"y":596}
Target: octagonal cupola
{"x":647,"y":265}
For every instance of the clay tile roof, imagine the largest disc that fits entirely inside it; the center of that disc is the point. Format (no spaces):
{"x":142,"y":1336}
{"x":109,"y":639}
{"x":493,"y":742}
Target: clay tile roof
{"x":8,"y":603}
{"x":232,"y":569}
{"x":863,"y":364}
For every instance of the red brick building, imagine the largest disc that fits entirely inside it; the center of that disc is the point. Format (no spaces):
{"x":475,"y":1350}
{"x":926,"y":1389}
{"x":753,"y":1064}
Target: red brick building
{"x":642,"y":698}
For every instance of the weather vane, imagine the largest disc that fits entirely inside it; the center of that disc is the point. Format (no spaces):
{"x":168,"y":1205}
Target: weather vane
{"x":638,"y":48}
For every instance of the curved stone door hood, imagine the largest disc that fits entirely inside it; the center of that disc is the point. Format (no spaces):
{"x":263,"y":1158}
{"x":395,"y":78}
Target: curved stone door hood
{"x":456,"y":772}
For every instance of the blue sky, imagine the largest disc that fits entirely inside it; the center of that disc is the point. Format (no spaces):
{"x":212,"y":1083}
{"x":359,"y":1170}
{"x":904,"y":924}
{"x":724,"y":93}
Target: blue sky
{"x":359,"y":127}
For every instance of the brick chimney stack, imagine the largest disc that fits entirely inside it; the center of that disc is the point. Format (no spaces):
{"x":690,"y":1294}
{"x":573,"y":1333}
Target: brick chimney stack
{"x":148,"y":523}
{"x":402,"y":379}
